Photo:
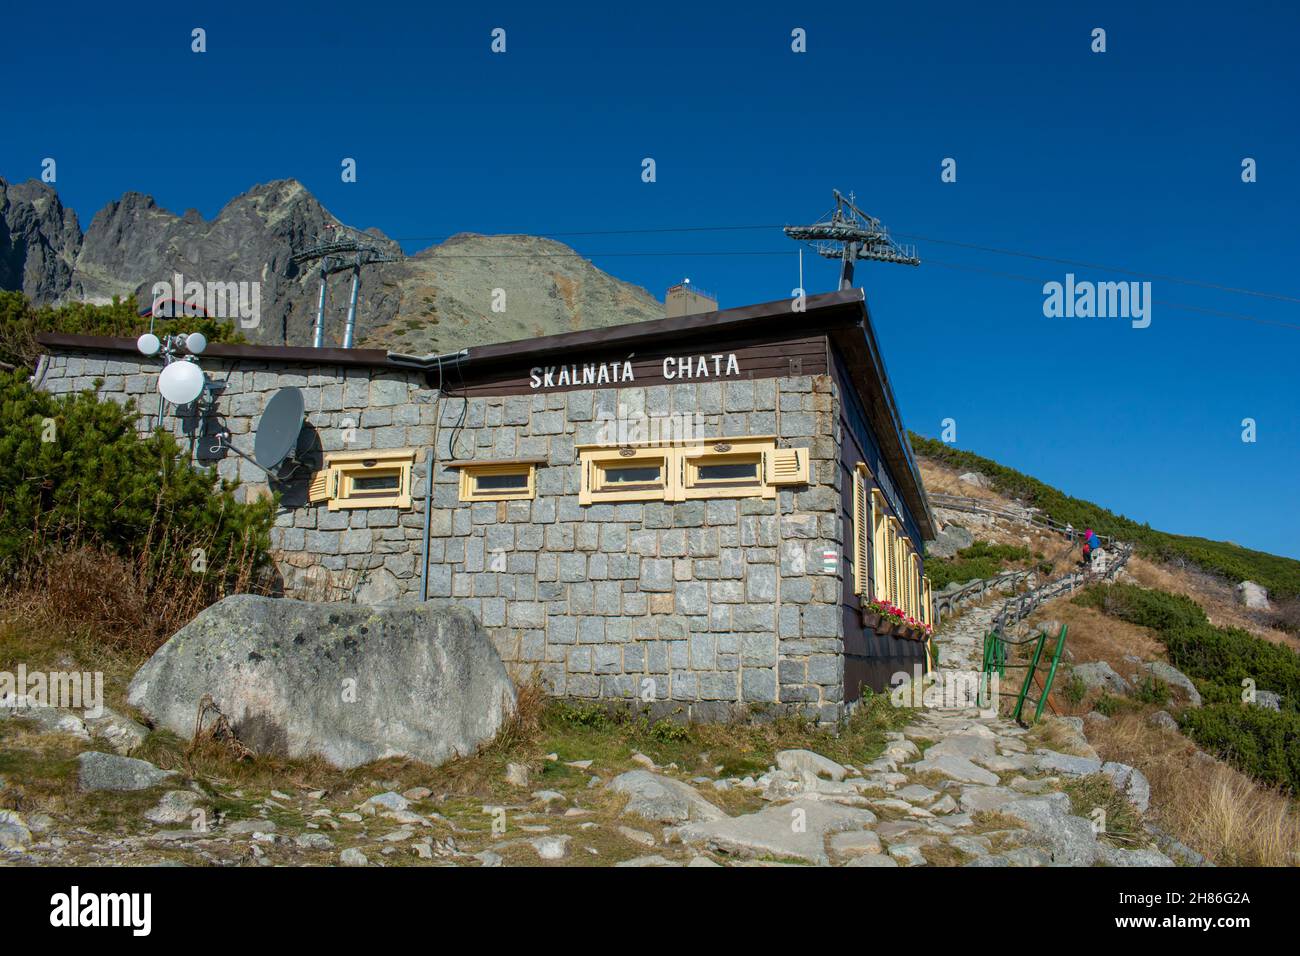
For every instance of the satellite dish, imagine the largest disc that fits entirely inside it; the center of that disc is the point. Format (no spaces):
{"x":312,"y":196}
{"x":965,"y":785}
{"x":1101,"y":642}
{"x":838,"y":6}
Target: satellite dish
{"x":181,"y":382}
{"x":278,"y":429}
{"x":195,"y":343}
{"x":148,"y":344}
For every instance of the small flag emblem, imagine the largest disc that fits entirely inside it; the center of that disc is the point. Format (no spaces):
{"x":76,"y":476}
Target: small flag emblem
{"x":830,"y":561}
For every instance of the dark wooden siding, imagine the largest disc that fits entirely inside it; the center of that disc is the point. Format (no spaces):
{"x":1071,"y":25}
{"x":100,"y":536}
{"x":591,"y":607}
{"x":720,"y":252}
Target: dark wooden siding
{"x":757,"y":358}
{"x":869,"y":659}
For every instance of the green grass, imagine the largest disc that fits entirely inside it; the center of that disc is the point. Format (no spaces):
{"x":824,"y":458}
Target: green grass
{"x":1280,"y":575}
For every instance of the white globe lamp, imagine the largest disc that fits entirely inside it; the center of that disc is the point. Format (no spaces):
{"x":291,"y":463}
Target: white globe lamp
{"x":181,"y":382}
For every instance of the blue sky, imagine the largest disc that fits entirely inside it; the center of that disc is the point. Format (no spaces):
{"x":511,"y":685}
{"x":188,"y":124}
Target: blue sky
{"x":1130,"y":158}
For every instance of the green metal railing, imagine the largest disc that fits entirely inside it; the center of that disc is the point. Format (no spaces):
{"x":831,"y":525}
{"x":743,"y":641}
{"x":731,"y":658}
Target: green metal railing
{"x":996,"y":662}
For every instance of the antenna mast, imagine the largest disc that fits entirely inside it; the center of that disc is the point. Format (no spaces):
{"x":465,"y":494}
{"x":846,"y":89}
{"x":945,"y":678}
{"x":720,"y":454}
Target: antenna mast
{"x":849,"y":234}
{"x":338,"y":253}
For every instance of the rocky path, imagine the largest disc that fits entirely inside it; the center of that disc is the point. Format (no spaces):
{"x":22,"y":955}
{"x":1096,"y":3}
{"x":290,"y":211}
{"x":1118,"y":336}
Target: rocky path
{"x":953,"y":787}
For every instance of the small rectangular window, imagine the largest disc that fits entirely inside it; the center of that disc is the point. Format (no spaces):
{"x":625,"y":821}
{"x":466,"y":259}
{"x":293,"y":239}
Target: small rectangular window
{"x":378,"y":478}
{"x":496,"y":481}
{"x":750,"y":467}
{"x":613,"y":475}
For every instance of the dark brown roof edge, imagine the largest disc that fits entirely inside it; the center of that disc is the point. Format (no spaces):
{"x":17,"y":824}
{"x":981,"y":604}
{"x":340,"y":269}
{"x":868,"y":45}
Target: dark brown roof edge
{"x":633,"y":333}
{"x":375,"y":358}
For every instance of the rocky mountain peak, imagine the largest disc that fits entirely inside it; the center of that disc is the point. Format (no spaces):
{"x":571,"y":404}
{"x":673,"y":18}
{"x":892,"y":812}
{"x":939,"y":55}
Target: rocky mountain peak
{"x":439,"y":299}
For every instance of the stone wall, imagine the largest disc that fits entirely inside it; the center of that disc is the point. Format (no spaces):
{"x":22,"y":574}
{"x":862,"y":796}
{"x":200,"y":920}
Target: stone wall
{"x":702,"y":604}
{"x":372,"y":554}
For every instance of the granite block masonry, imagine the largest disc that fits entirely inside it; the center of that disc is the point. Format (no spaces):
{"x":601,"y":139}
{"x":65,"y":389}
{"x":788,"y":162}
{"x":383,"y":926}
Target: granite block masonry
{"x":698,"y":608}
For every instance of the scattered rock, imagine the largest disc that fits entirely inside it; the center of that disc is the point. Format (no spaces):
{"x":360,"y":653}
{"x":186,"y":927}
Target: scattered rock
{"x":771,"y":831}
{"x":120,"y":732}
{"x":637,"y":836}
{"x":908,"y":854}
{"x":1177,"y":679}
{"x":663,"y":799}
{"x":957,"y":768}
{"x":314,"y":841}
{"x":353,"y":857}
{"x":241,"y":827}
{"x":1267,"y":699}
{"x":1064,"y":763}
{"x":548,"y":796}
{"x":1252,"y":595}
{"x":655,"y":860}
{"x":517,"y":775}
{"x":1117,"y":857}
{"x":384,"y":801}
{"x":1130,"y":782}
{"x":1099,"y":675}
{"x":872,"y":859}
{"x":271,"y":666}
{"x":1071,"y":838}
{"x":176,"y":806}
{"x":855,"y":843}
{"x":551,"y":847}
{"x":14,"y":832}
{"x":416,"y":794}
{"x":1163,"y":719}
{"x":974,"y":478}
{"x":100,"y":771}
{"x":643,"y":760}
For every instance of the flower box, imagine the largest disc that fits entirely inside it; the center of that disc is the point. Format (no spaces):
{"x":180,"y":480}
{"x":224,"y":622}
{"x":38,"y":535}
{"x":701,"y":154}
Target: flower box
{"x":870,"y":620}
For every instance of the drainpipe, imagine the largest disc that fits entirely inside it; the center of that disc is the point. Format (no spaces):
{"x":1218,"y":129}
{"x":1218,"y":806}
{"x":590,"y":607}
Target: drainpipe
{"x":428,"y":515}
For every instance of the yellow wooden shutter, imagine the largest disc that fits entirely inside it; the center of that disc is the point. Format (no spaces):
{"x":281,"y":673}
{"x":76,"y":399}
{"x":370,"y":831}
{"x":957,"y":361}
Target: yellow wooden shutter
{"x":861,"y":516}
{"x":787,"y":466}
{"x":320,"y":488}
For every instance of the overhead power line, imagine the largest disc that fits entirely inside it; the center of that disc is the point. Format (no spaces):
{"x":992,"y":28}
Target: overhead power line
{"x":1162,"y":277}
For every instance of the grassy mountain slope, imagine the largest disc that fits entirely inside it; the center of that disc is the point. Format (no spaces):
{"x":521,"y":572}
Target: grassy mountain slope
{"x":1280,"y":575}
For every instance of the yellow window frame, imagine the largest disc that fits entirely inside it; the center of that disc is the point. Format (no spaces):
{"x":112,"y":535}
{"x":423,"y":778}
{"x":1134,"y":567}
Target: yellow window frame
{"x":862,"y":516}
{"x":344,"y":470}
{"x":880,"y":544}
{"x":470,"y":476}
{"x":681,"y":475}
{"x":598,"y":462}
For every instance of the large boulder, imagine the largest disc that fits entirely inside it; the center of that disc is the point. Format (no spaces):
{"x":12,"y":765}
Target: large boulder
{"x":1252,"y":595}
{"x":351,"y":683}
{"x":950,"y":540}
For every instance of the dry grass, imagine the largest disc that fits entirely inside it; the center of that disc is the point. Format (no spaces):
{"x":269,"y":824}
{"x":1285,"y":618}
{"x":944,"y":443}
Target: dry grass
{"x":1209,"y":806}
{"x":942,"y":480}
{"x":133,"y":606}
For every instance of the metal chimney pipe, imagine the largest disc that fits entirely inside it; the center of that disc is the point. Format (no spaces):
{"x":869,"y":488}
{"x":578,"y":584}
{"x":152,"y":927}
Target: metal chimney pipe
{"x":318,"y":336}
{"x":350,"y":328}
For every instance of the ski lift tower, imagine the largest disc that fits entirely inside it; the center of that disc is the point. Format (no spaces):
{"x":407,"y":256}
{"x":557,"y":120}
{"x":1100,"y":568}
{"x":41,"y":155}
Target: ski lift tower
{"x":849,"y":234}
{"x":339,"y":253}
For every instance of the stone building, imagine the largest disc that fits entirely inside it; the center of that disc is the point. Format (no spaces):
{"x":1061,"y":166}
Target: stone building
{"x":691,"y":511}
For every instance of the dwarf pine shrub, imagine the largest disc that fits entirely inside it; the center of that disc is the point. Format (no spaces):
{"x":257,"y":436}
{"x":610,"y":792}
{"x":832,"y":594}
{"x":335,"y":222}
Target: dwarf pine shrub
{"x":75,"y":476}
